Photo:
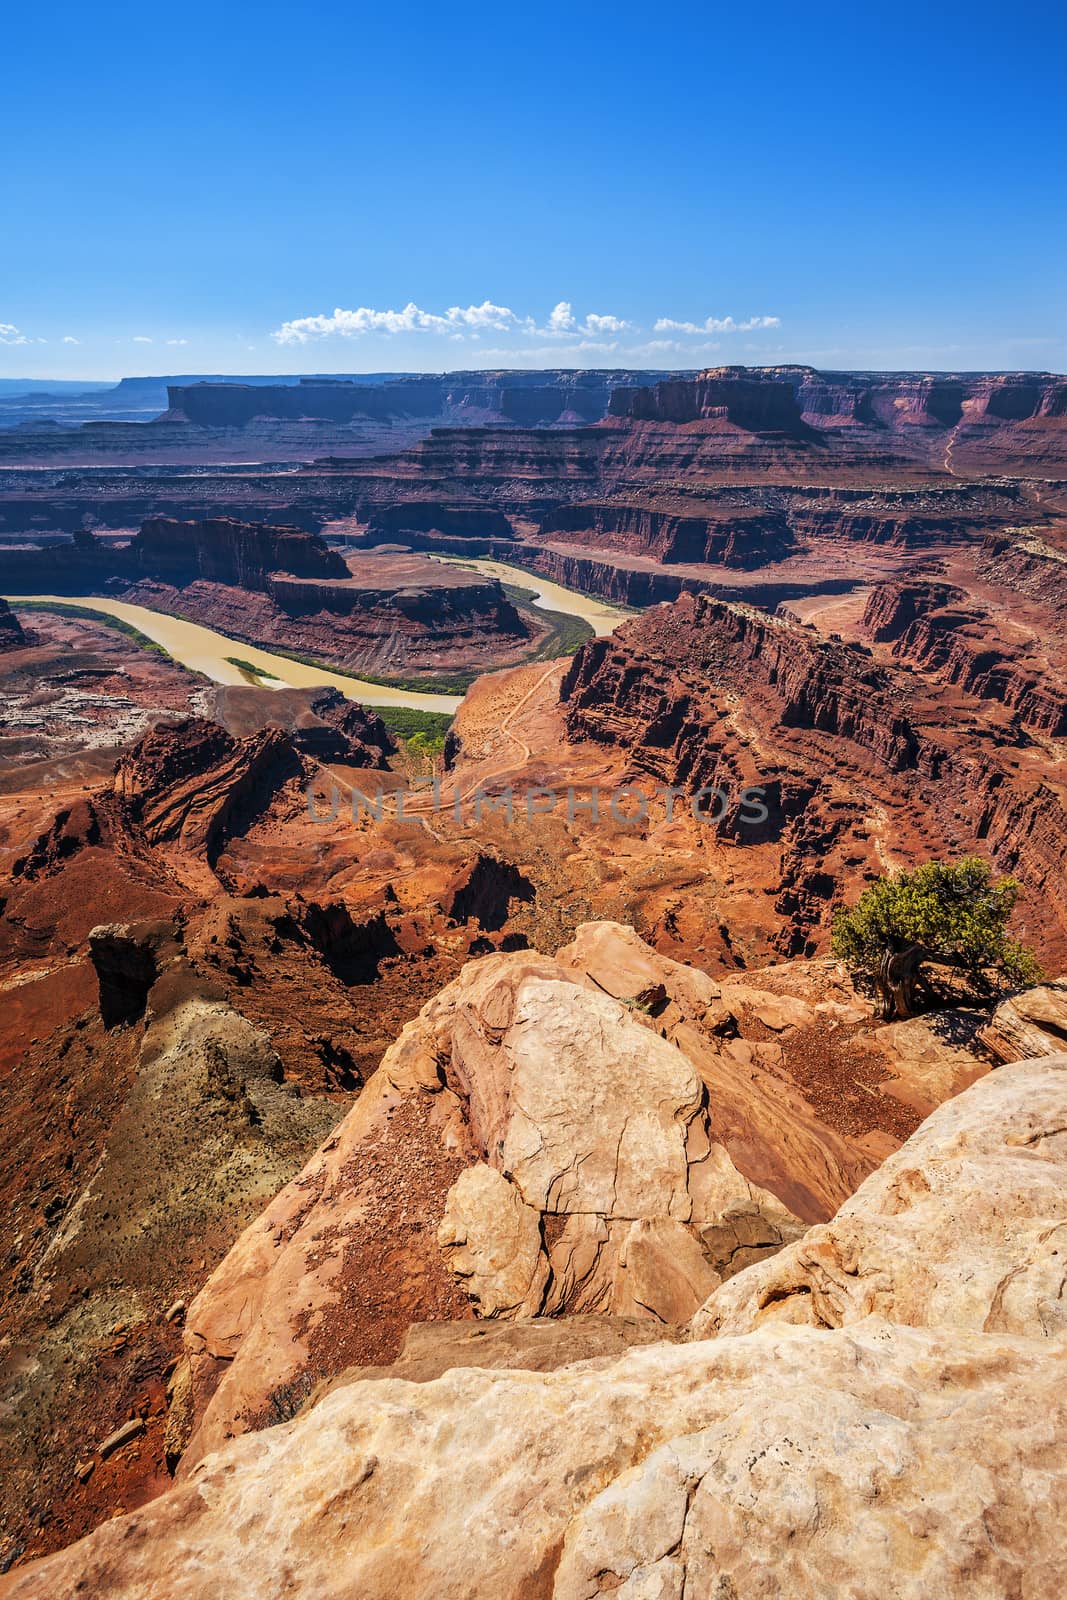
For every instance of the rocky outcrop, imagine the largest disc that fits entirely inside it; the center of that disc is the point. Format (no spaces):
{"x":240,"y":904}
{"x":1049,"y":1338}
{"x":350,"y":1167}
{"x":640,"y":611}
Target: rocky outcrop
{"x":320,"y":723}
{"x":886,"y":523}
{"x":753,"y":401}
{"x":1031,"y":1023}
{"x":175,"y":798}
{"x":484,"y":892}
{"x":128,"y":961}
{"x":187,"y":783}
{"x":12,"y":633}
{"x":895,"y":1436}
{"x":415,"y":591}
{"x":841,"y":400}
{"x":935,"y":627}
{"x":569,"y":1167}
{"x":994,"y":1155}
{"x":621,"y":581}
{"x":678,"y":532}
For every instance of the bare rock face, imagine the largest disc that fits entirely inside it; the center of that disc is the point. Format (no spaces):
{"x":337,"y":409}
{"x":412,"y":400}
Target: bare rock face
{"x":866,"y":1462}
{"x":771,"y":1133}
{"x":599,"y":1129}
{"x":989,"y":1166}
{"x":1033,"y":1023}
{"x":492,"y":1239}
{"x":869,"y":1459}
{"x":182,"y":787}
{"x":554,"y":1153}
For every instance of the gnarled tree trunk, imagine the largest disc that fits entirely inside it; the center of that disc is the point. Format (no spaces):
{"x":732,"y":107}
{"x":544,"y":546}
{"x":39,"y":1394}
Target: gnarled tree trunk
{"x":898,"y":977}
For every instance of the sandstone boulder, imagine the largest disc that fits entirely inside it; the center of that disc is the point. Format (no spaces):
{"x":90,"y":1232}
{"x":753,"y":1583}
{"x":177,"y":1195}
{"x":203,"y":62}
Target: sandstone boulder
{"x":868,"y":1461}
{"x":1033,"y":1023}
{"x":529,"y":1142}
{"x":848,"y":1453}
{"x":964,"y":1227}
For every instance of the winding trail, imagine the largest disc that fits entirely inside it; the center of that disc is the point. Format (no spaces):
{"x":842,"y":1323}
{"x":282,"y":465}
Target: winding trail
{"x":949,"y":447}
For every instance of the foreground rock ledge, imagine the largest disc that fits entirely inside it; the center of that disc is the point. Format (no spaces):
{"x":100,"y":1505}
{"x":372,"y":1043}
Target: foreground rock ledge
{"x":873,"y":1460}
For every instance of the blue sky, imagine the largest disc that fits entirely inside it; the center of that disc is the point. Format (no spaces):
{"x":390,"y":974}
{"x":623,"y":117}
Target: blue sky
{"x":337,"y":187}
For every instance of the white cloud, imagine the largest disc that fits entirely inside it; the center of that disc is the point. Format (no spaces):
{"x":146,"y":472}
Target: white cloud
{"x":141,"y":338}
{"x":458,"y":322}
{"x":563,"y":324}
{"x":715,"y":325}
{"x":9,"y":334}
{"x":412,"y":319}
{"x":68,"y":338}
{"x":177,"y":341}
{"x":594,"y":324}
{"x":561,"y":318}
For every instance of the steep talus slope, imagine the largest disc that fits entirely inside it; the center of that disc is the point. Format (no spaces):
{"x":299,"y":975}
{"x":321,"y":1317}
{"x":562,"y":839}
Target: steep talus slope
{"x":916,"y":1451}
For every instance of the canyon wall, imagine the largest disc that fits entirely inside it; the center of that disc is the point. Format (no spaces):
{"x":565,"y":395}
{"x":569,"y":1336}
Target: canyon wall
{"x":224,"y":551}
{"x":762,"y":398}
{"x":702,"y":693}
{"x":527,"y":399}
{"x":937,"y":627}
{"x":675,"y":531}
{"x":757,"y":402}
{"x":219,"y":550}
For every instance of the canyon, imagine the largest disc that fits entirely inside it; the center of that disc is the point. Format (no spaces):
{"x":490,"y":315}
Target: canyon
{"x":405,"y":1131}
{"x":277,"y":585}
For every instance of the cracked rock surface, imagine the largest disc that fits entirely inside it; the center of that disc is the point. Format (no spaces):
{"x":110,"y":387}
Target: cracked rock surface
{"x":871,"y":1458}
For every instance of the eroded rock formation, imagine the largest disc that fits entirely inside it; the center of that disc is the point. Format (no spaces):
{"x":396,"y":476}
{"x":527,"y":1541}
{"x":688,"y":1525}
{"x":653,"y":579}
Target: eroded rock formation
{"x":925,"y":1435}
{"x":12,"y":633}
{"x":716,"y":697}
{"x":569,"y":1164}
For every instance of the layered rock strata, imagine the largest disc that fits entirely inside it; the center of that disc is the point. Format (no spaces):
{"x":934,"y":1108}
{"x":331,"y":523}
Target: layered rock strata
{"x":707,"y":695}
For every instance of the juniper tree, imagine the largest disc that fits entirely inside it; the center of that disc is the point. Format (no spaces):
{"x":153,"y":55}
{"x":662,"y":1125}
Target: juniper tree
{"x":950,"y":913}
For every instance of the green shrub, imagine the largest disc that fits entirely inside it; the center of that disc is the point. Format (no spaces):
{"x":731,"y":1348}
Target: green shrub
{"x":950,"y":913}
